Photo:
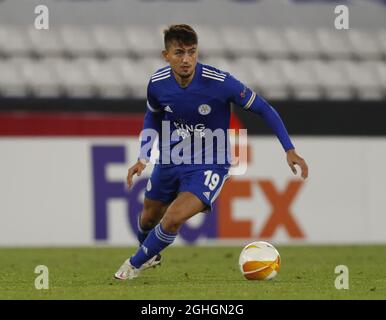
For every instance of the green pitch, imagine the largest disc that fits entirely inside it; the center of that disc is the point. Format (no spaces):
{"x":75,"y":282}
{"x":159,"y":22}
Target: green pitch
{"x":193,"y":273}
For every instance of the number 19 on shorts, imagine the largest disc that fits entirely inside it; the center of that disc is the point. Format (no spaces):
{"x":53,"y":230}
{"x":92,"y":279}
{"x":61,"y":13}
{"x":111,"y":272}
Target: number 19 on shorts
{"x":211,"y":179}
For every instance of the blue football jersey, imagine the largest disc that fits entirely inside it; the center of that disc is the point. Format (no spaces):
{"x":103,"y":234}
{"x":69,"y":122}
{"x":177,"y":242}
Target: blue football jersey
{"x":196,"y":118}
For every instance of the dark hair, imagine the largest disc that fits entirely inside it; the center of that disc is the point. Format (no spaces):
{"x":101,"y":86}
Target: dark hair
{"x":182,"y":33}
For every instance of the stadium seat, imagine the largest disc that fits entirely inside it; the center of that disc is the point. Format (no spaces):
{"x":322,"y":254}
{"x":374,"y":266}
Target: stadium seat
{"x":210,"y":41}
{"x":221,"y":63}
{"x":268,"y":80}
{"x":14,"y":41}
{"x":381,"y":37}
{"x":244,"y":68}
{"x":110,"y":40}
{"x":143,"y":41}
{"x":381,"y":72}
{"x":11,"y":81}
{"x":302,"y":43}
{"x":38,"y":77}
{"x":73,"y":79}
{"x":45,"y":42}
{"x":136,"y":74}
{"x":331,"y":79}
{"x":362,"y":79}
{"x":334,"y":43}
{"x":77,"y":41}
{"x":299,"y":78}
{"x":133,"y":75}
{"x":378,"y":69}
{"x":271,"y":43}
{"x":152,"y":64}
{"x":104,"y":77}
{"x":366,"y":46}
{"x":238,"y":41}
{"x":237,"y":68}
{"x":216,"y":62}
{"x":275,"y":62}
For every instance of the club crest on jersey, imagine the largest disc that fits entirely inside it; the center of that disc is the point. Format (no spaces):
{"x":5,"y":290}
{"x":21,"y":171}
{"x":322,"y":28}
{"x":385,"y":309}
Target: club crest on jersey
{"x":204,"y":109}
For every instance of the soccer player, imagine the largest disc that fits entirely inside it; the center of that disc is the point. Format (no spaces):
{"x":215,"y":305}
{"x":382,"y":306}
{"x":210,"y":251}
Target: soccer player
{"x":186,"y":101}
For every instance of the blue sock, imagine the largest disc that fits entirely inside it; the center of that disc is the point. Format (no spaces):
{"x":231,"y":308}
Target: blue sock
{"x":141,"y":234}
{"x":155,"y":242}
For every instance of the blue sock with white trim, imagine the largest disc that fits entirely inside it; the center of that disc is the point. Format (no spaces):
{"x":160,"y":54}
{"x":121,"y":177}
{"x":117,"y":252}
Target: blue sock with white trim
{"x":155,"y":242}
{"x":141,"y":233}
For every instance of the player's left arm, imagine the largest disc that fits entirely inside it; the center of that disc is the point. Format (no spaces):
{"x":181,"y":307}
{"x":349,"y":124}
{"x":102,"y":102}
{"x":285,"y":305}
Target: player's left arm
{"x":250,"y":101}
{"x":273,"y":119}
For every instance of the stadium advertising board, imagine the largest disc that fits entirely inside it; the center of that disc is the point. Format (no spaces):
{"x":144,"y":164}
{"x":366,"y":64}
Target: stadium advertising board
{"x":71,"y":191}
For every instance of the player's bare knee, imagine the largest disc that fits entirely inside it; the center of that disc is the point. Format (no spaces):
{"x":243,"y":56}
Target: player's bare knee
{"x":149,"y":219}
{"x":147,"y":224}
{"x":150,"y":216}
{"x":171,"y":224}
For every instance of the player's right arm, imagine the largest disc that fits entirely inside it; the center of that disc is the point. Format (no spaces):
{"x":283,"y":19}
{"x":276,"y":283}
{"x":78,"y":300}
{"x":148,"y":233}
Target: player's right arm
{"x":151,"y":129}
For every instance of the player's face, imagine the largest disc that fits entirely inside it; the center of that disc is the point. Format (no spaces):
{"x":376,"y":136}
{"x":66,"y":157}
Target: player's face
{"x":182,"y":58}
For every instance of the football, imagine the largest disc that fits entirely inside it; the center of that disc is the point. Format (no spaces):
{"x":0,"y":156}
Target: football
{"x":259,"y":260}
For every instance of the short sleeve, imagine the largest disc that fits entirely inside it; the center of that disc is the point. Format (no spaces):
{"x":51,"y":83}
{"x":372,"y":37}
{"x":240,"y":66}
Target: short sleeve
{"x":239,"y":93}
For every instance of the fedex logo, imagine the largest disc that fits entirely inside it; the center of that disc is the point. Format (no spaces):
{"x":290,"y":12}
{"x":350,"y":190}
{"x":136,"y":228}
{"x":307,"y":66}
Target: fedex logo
{"x":280,"y":215}
{"x":218,"y":224}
